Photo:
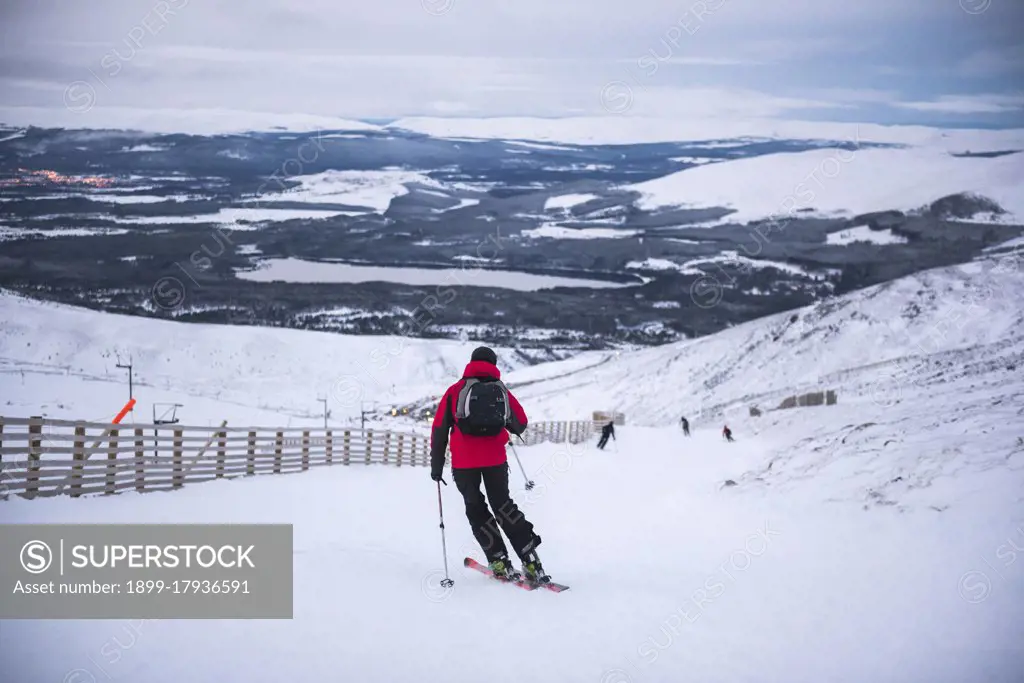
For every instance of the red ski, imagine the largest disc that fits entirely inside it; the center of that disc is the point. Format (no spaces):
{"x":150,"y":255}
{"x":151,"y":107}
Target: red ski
{"x":522,"y":583}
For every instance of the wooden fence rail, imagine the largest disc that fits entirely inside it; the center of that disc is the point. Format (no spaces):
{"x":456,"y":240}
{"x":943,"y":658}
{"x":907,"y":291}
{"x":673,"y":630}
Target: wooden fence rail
{"x":41,"y":457}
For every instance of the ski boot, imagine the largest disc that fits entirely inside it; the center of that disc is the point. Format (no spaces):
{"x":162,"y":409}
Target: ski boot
{"x":533,"y":571}
{"x":502,"y":569}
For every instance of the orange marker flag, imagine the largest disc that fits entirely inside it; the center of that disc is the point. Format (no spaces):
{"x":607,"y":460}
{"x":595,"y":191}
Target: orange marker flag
{"x":124,"y":411}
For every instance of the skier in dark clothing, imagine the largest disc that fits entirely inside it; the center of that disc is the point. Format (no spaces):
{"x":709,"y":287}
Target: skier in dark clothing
{"x":686,"y":426}
{"x":478,"y":411}
{"x":727,"y":433}
{"x":606,"y":431}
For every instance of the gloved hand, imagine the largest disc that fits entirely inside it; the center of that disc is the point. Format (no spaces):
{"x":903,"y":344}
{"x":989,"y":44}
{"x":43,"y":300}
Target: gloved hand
{"x":438,"y":475}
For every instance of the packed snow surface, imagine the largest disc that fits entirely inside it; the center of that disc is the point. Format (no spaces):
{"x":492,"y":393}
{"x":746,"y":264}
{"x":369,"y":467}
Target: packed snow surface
{"x":672,"y":577}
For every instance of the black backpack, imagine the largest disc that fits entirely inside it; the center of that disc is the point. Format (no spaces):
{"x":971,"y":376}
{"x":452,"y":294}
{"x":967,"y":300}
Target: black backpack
{"x":483,"y":407}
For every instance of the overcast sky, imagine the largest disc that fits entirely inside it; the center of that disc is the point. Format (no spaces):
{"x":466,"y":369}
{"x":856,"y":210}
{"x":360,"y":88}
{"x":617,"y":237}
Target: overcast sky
{"x":927,"y":61}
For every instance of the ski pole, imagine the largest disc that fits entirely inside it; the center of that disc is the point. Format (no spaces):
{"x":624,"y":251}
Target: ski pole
{"x":529,"y":484}
{"x":446,"y":582}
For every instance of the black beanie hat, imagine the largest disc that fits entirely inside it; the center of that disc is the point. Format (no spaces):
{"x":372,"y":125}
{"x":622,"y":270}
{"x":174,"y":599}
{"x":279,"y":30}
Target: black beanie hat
{"x":485,"y":354}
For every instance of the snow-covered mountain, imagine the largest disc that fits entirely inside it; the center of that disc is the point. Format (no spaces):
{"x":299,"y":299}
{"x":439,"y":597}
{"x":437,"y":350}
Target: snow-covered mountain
{"x":554,"y":132}
{"x":835,"y":182}
{"x":625,"y":130}
{"x":927,"y":370}
{"x":220,"y":121}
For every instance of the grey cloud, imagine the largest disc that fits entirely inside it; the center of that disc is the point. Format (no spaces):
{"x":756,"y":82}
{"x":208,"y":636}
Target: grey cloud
{"x":394,"y":58}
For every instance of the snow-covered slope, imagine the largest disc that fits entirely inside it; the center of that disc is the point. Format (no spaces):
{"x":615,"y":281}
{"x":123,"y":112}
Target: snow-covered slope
{"x":59,"y":361}
{"x":672,"y":579}
{"x":624,"y":130}
{"x":928,"y":371}
{"x":873,"y":540}
{"x":972,"y":306}
{"x":837,"y":182}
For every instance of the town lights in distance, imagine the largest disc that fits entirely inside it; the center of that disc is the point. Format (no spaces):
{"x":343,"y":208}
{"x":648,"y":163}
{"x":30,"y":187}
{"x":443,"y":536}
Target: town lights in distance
{"x":166,"y":557}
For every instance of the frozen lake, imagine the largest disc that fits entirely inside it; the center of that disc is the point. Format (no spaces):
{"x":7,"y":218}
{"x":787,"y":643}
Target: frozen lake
{"x":297,"y":270}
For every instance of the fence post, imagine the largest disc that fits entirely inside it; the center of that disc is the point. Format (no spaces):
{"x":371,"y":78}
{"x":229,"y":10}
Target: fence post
{"x":329,"y":446}
{"x":79,"y":456}
{"x":305,"y":450}
{"x":369,"y":445}
{"x":250,"y":462}
{"x":1,"y":440}
{"x":35,"y":427}
{"x":221,"y":453}
{"x":387,"y":445}
{"x":112,"y":446}
{"x":400,"y":440}
{"x":178,"y":480}
{"x":140,"y":469}
{"x":277,"y":452}
{"x":347,"y":443}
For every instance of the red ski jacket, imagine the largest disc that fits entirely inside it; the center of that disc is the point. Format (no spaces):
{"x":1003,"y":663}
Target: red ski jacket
{"x":471,"y":451}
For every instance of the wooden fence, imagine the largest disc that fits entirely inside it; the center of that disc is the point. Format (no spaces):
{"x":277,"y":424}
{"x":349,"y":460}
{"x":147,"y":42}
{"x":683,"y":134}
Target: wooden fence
{"x":42,"y":457}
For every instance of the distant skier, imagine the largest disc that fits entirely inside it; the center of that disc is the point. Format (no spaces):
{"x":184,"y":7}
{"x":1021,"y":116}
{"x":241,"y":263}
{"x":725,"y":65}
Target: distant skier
{"x":686,"y":426}
{"x":479,"y":411}
{"x":606,"y":431}
{"x":727,"y":433}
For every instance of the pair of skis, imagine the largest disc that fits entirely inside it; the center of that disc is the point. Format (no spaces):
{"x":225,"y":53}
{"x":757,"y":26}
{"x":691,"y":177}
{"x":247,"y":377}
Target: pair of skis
{"x":546,"y":582}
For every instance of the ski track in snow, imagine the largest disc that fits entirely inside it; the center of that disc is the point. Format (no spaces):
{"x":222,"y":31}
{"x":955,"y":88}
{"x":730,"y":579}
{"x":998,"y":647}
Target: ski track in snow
{"x":670,"y":575}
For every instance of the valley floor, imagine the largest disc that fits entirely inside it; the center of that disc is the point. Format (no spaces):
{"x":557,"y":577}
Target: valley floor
{"x":673,"y":577}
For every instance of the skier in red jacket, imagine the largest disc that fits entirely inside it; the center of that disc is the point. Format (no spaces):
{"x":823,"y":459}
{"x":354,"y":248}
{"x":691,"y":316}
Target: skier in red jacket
{"x":479,"y":411}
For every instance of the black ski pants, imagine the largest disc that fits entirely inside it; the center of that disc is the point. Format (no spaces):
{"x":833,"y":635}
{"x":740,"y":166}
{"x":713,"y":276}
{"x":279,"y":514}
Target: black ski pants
{"x":506,"y":514}
{"x":603,"y":441}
